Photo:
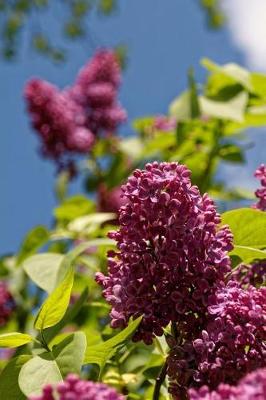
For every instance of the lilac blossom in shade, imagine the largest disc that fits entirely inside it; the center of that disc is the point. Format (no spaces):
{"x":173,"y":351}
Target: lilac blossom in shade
{"x":251,"y":387}
{"x":7,"y":304}
{"x":254,"y":274}
{"x":171,"y":253}
{"x":231,"y":345}
{"x":73,"y":388}
{"x":58,"y":120}
{"x":96,"y":90}
{"x":164,"y":123}
{"x":110,"y":200}
{"x":260,"y":193}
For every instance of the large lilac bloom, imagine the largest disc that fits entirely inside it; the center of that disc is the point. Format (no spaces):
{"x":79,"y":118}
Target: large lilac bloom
{"x":171,"y":252}
{"x":7,"y":304}
{"x":260,"y":193}
{"x":251,"y":387}
{"x":74,"y":388}
{"x":232,"y":343}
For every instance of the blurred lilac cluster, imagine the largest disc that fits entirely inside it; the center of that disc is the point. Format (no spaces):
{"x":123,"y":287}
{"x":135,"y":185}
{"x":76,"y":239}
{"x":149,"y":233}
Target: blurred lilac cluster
{"x":251,"y":387}
{"x":260,"y":193}
{"x":74,"y":388}
{"x":69,"y":121}
{"x":254,"y":274}
{"x":7,"y":304}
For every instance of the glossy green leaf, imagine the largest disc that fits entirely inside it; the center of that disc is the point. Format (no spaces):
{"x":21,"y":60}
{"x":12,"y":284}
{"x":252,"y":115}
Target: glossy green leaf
{"x":55,"y":306}
{"x":9,"y":388}
{"x":100,"y":353}
{"x":45,"y":270}
{"x":14,"y":339}
{"x":249,"y":229}
{"x":69,"y":316}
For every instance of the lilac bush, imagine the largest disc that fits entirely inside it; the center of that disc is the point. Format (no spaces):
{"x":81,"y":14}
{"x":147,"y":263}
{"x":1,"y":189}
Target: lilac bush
{"x":251,"y":387}
{"x":74,"y":388}
{"x":7,"y":304}
{"x":171,"y":252}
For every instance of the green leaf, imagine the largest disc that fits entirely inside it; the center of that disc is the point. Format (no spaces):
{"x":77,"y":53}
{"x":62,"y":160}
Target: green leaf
{"x":34,"y":240}
{"x":66,"y":357}
{"x":249,"y":230}
{"x":232,"y":71}
{"x":77,"y":251}
{"x":232,"y":153}
{"x":61,"y":185}
{"x":14,"y":339}
{"x":69,"y":316}
{"x":90,"y":222}
{"x":37,"y":372}
{"x":9,"y":388}
{"x":233,"y":109}
{"x":45,"y":270}
{"x":180,"y":108}
{"x":69,"y":354}
{"x":55,"y":306}
{"x":194,"y":101}
{"x":100,"y":353}
{"x":73,"y":207}
{"x":132,"y":147}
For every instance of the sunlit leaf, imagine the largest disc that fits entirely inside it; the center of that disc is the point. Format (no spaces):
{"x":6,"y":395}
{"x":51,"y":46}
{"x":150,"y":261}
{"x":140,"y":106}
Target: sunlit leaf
{"x":44,"y":270}
{"x":249,"y":230}
{"x":100,"y":353}
{"x":55,"y":306}
{"x":14,"y":339}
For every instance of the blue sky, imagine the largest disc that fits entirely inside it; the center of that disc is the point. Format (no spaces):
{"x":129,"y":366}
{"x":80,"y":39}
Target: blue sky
{"x":164,"y":39}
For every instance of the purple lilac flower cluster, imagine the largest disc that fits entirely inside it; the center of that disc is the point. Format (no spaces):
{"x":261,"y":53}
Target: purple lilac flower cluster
{"x":7,"y":304}
{"x":68,"y":121}
{"x":231,"y":345}
{"x":96,"y":90}
{"x":74,"y":388}
{"x":251,"y":387}
{"x":164,"y":123}
{"x":260,"y":193}
{"x":58,"y":120}
{"x":171,"y":253}
{"x":254,"y":274}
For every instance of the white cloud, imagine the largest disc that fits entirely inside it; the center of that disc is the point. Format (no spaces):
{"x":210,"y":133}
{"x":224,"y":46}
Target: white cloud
{"x":247,"y":23}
